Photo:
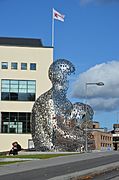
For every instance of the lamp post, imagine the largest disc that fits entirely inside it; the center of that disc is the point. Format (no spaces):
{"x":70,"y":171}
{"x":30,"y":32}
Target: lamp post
{"x":86,"y":85}
{"x":117,"y":116}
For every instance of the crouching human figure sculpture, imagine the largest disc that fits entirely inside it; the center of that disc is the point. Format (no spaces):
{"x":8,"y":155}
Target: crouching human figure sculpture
{"x":54,"y":124}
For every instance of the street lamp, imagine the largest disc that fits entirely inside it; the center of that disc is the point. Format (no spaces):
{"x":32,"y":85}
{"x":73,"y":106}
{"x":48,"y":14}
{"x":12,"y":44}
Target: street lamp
{"x":86,"y":85}
{"x":117,"y":116}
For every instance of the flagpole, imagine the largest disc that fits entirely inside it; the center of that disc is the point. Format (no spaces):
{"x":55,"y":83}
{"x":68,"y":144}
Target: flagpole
{"x":53,"y":28}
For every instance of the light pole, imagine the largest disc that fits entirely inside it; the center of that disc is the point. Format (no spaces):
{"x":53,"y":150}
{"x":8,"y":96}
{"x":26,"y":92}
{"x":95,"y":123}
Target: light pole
{"x":117,"y":116}
{"x":86,"y":85}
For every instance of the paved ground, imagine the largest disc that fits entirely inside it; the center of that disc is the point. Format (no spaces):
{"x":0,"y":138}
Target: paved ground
{"x":39,"y":164}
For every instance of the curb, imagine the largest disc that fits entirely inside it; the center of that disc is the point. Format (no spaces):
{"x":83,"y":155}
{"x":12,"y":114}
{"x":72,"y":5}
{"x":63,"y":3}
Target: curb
{"x":85,"y":174}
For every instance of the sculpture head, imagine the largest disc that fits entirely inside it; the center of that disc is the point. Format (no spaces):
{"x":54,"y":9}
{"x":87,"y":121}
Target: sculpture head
{"x":58,"y":72}
{"x":81,"y":111}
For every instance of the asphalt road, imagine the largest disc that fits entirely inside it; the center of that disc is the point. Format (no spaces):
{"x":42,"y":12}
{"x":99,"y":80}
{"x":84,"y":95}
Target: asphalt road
{"x":63,"y":169}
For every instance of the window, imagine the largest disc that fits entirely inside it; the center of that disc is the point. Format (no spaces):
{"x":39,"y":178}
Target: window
{"x":23,"y":66}
{"x":18,"y":90}
{"x":13,"y":65}
{"x":94,"y":126}
{"x":116,"y":139}
{"x":15,"y":122}
{"x":32,"y":66}
{"x":4,"y":65}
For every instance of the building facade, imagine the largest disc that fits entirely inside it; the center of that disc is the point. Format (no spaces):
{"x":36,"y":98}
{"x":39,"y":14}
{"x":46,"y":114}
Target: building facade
{"x":115,"y":134}
{"x":103,"y":139}
{"x":23,"y":77}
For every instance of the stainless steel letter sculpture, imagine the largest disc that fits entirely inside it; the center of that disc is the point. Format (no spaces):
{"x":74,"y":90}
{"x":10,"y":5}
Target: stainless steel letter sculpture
{"x":56,"y":122}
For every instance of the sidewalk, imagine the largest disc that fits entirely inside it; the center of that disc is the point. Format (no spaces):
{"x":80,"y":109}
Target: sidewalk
{"x":42,"y":163}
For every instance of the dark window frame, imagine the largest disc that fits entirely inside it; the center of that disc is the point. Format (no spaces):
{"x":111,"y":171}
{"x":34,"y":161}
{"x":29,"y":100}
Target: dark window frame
{"x":14,"y":122}
{"x":23,"y":66}
{"x":14,"y":65}
{"x":4,"y":65}
{"x":32,"y":66}
{"x":16,"y":91}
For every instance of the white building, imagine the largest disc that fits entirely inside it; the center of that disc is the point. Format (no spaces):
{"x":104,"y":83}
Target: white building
{"x":23,"y":77}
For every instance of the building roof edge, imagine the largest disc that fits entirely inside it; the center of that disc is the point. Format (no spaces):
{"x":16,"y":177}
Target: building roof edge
{"x":21,"y":42}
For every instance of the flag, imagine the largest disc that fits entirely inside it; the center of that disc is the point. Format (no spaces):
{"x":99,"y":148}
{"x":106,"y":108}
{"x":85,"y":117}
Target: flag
{"x":58,"y":16}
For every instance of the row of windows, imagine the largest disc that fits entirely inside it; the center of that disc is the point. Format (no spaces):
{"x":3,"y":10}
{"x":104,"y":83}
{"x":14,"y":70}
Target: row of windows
{"x":15,"y":122}
{"x":105,"y":145}
{"x":106,"y":138}
{"x":18,"y":90}
{"x":14,"y":65}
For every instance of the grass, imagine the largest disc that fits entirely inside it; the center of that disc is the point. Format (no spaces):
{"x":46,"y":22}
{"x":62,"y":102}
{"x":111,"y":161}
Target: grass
{"x":30,"y":156}
{"x":36,"y":156}
{"x":9,"y":162}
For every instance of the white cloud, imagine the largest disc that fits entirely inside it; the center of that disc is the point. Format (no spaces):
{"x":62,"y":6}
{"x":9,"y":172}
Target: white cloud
{"x":106,"y":97}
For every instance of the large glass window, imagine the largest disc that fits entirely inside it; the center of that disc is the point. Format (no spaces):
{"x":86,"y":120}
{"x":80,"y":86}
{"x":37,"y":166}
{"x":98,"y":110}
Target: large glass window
{"x":4,"y":65}
{"x":14,"y":65}
{"x":15,"y":122}
{"x":18,"y":90}
{"x":32,"y":66}
{"x":23,"y":66}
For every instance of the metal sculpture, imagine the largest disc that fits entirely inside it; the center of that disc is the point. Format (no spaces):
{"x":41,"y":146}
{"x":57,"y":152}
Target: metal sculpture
{"x":56,"y":122}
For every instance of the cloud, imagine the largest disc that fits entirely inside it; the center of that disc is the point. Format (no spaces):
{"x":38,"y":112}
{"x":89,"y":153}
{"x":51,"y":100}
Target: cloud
{"x":83,"y":2}
{"x":103,"y":98}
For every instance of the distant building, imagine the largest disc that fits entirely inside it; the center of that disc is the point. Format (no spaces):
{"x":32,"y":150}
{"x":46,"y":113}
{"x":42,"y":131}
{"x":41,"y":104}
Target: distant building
{"x":115,"y":134}
{"x":24,"y":65}
{"x":102,"y":138}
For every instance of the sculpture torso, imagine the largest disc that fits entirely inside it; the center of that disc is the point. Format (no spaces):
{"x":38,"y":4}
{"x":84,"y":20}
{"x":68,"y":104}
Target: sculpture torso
{"x":53,"y":122}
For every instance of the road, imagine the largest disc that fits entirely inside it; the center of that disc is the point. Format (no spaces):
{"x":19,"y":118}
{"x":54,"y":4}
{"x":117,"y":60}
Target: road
{"x":44,"y":173}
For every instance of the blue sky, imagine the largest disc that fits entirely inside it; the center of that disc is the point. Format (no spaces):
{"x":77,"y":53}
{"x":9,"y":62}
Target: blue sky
{"x":89,"y":38}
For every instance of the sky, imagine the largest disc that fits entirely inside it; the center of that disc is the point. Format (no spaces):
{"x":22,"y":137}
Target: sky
{"x":88,"y":37}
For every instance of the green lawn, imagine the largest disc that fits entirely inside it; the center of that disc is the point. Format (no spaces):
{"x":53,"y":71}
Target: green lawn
{"x":37,"y":156}
{"x":34,"y":156}
{"x":9,"y":162}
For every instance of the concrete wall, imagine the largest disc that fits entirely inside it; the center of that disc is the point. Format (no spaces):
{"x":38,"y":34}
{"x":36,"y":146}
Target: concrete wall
{"x":8,"y":139}
{"x":43,"y":57}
